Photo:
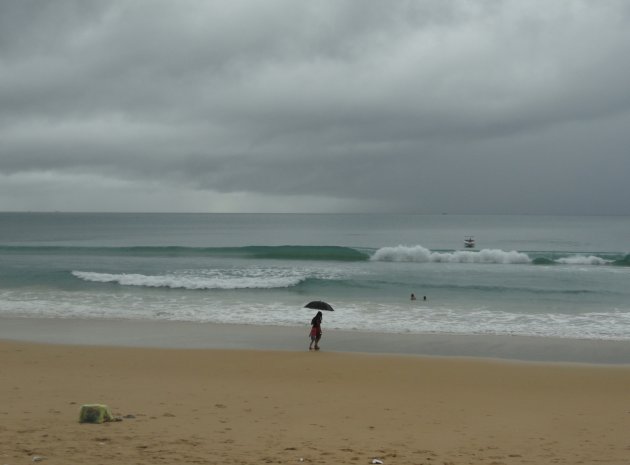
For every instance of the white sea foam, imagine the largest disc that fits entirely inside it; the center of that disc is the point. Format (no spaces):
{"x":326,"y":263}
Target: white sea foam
{"x":365,"y":316}
{"x":190,"y":281}
{"x":421,"y":254}
{"x":583,"y":260}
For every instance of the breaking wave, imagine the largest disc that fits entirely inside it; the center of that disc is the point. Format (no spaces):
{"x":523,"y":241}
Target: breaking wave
{"x":400,"y":253}
{"x":423,"y":255}
{"x":263,"y":280}
{"x":583,"y":260}
{"x":420,"y":254}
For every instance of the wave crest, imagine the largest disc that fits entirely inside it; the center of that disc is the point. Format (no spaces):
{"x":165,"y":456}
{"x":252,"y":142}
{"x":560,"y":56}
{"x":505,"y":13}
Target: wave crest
{"x":583,"y":260}
{"x":183,"y":281}
{"x":280,"y":252}
{"x":421,"y":254}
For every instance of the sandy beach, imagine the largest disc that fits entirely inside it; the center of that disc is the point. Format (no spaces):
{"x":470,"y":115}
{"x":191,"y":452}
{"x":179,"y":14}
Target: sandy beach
{"x":252,"y":406}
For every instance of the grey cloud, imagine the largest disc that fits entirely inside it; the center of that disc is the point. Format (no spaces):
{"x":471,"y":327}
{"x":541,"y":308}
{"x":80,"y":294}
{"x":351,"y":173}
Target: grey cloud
{"x":406,"y":104}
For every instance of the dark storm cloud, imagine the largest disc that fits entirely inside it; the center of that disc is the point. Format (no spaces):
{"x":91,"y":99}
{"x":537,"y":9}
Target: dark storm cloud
{"x":284,"y":105}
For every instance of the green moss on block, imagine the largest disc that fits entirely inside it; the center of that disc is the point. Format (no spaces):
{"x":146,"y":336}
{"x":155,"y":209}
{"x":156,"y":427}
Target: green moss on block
{"x":95,"y":413}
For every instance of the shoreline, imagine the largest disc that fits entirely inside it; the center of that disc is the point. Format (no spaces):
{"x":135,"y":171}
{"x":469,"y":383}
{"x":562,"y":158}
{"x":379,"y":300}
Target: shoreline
{"x":192,"y":335}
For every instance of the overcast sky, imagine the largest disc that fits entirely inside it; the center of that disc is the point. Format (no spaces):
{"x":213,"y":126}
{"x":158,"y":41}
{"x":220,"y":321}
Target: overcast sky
{"x":505,"y":106}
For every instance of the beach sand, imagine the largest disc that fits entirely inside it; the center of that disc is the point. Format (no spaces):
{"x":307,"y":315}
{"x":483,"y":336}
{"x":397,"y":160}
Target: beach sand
{"x":252,"y":406}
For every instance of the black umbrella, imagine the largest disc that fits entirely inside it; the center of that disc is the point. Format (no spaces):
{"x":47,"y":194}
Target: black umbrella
{"x":319,"y":305}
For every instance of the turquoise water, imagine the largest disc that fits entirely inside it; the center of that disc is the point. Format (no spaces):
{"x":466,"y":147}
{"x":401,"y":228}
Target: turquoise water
{"x":528,"y":275}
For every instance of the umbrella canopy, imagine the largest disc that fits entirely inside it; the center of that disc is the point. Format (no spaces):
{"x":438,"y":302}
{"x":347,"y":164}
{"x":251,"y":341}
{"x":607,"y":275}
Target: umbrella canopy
{"x":319,"y":305}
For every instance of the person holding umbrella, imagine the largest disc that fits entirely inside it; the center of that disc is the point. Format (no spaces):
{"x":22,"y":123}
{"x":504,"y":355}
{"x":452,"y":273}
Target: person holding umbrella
{"x":316,"y":331}
{"x":316,"y":322}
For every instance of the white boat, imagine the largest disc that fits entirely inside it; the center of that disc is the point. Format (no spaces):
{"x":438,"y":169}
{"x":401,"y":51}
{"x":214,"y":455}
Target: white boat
{"x":469,"y":242}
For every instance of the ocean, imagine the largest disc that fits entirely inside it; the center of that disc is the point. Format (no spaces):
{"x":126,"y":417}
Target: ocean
{"x":547,"y":276}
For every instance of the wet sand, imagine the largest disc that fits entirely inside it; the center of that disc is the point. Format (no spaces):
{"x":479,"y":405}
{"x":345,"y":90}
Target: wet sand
{"x":186,"y":335}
